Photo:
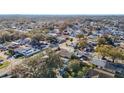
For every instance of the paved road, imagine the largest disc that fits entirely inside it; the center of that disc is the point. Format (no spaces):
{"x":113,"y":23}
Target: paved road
{"x":104,"y":72}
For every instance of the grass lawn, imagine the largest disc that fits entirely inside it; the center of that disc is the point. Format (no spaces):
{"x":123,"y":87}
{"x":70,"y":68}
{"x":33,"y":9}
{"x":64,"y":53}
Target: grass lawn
{"x":5,"y":64}
{"x":1,"y":58}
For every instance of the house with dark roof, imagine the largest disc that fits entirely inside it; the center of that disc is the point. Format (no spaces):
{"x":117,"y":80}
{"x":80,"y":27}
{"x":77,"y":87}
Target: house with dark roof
{"x":108,"y":66}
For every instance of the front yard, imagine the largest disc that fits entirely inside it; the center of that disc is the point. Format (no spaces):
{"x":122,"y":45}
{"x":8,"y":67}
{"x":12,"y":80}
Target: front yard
{"x":4,"y":64}
{"x":3,"y":61}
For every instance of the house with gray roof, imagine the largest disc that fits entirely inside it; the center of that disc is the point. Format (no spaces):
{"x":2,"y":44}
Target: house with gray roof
{"x":26,"y":51}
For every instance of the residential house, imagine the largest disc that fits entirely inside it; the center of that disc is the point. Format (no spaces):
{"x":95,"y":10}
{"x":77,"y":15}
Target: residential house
{"x":27,"y":51}
{"x":2,"y":47}
{"x":108,"y":66}
{"x":24,"y":41}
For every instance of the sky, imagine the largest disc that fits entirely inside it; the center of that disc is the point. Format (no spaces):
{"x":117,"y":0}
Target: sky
{"x":61,"y":7}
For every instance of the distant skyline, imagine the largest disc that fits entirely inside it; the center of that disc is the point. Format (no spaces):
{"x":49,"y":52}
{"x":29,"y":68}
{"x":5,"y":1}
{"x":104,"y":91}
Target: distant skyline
{"x":63,"y":14}
{"x":62,"y":7}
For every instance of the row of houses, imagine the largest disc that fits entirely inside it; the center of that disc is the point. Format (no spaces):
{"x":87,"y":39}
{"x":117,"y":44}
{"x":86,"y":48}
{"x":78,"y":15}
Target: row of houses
{"x":22,"y":47}
{"x":115,"y":68}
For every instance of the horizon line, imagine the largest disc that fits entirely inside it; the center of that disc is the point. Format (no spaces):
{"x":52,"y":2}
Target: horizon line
{"x":66,"y":14}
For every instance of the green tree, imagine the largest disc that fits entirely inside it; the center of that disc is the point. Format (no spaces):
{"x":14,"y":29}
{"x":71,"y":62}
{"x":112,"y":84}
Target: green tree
{"x":74,"y":65}
{"x":105,"y":40}
{"x":103,"y":50}
{"x":76,"y":69}
{"x":82,"y":44}
{"x":66,"y":75}
{"x":115,"y":53}
{"x":109,"y":51}
{"x":80,"y":36}
{"x":38,"y":67}
{"x":80,"y":74}
{"x":71,"y":39}
{"x":101,"y":41}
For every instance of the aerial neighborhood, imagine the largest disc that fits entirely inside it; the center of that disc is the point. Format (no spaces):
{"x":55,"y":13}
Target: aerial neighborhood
{"x":34,"y":46}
